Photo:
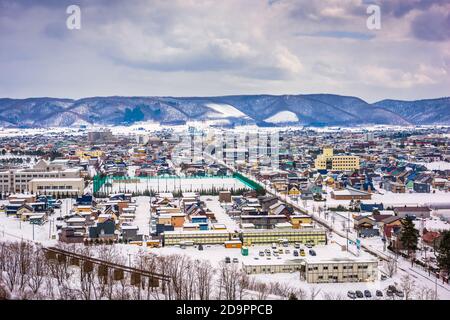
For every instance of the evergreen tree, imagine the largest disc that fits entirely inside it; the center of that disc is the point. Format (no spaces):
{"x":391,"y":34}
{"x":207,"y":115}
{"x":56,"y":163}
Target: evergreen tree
{"x":442,"y":249}
{"x":409,"y":236}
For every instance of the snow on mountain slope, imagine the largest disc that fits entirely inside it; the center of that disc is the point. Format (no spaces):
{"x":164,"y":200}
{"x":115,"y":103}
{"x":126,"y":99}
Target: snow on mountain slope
{"x":226,"y":110}
{"x":282,"y":117}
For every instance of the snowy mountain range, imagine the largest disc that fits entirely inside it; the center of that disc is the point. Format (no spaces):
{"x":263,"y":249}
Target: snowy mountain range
{"x":263,"y":110}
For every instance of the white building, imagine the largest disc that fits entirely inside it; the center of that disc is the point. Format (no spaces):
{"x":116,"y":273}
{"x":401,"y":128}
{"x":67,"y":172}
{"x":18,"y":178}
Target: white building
{"x":55,"y":186}
{"x":17,"y":180}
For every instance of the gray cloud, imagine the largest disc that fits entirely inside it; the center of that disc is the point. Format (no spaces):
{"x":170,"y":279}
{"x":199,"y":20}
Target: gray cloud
{"x":209,"y":47}
{"x":399,"y":8}
{"x":432,"y":26}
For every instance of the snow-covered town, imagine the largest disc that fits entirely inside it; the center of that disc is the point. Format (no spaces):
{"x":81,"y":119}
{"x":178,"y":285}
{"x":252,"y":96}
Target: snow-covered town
{"x":213,"y":159}
{"x":328,"y":214}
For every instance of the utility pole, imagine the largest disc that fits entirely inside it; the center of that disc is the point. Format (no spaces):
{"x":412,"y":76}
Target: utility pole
{"x":150,"y":218}
{"x":348,"y":221}
{"x":435,"y":288}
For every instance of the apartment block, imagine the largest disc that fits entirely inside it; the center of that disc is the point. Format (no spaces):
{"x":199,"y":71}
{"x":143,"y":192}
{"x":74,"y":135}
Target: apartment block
{"x":328,"y":161}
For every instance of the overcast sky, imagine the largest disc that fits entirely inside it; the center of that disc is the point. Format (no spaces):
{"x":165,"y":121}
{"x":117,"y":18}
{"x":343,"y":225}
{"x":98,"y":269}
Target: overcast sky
{"x":222,"y":47}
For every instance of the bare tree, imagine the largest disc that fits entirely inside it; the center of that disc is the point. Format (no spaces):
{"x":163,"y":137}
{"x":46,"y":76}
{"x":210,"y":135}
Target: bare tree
{"x":425,"y":293}
{"x":204,"y":277}
{"x":228,"y":281}
{"x":262,"y":291}
{"x":313,"y":292}
{"x":391,"y":267}
{"x":408,"y":285}
{"x":301,"y":294}
{"x":12,"y":265}
{"x":5,"y":294}
{"x":37,"y":271}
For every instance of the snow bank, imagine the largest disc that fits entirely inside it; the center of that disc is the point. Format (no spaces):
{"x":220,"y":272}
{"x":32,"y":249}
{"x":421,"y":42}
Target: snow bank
{"x":226,"y":110}
{"x":283,"y":116}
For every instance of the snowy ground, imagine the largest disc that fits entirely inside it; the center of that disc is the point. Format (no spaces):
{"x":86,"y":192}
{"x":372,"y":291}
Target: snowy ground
{"x":395,"y":199}
{"x":437,"y":165}
{"x":14,"y":229}
{"x":176,"y":184}
{"x":212,"y":202}
{"x":420,"y":277}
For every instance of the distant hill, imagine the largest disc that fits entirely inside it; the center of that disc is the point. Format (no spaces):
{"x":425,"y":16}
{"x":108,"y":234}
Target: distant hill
{"x":432,"y":111}
{"x":264,"y":110}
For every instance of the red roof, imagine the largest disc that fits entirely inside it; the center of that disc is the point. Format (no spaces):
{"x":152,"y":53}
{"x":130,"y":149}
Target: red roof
{"x":430,"y":236}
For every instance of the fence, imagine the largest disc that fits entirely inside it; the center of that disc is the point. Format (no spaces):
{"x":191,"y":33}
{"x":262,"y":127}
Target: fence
{"x":248,"y":182}
{"x":104,"y":185}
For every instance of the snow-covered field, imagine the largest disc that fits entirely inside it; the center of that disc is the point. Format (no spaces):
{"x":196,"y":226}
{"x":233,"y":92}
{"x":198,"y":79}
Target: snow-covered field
{"x":282,"y":117}
{"x":437,"y":165}
{"x":226,"y":110}
{"x":176,"y":184}
{"x":396,"y":199}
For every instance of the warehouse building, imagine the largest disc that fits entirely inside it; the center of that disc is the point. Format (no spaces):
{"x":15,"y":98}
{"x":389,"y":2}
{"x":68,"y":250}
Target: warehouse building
{"x":171,"y":238}
{"x":320,"y":268}
{"x":260,"y":236}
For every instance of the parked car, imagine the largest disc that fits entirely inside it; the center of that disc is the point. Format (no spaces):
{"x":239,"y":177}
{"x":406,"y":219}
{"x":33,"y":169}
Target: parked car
{"x":383,"y":277}
{"x":351,"y":295}
{"x":392,"y":288}
{"x":359,"y":294}
{"x":235,"y":260}
{"x":312,"y":252}
{"x":268,"y":253}
{"x":287,"y":251}
{"x":389,"y":293}
{"x":227,"y":260}
{"x":261,"y":253}
{"x":297,"y":245}
{"x":367,"y":294}
{"x":285,"y":244}
{"x":378,"y":293}
{"x":302,"y":252}
{"x":275,"y":254}
{"x":280,"y":250}
{"x":295,"y":253}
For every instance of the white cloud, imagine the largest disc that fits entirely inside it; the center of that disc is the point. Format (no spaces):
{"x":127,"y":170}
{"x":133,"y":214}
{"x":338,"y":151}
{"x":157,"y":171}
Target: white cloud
{"x":397,"y":78}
